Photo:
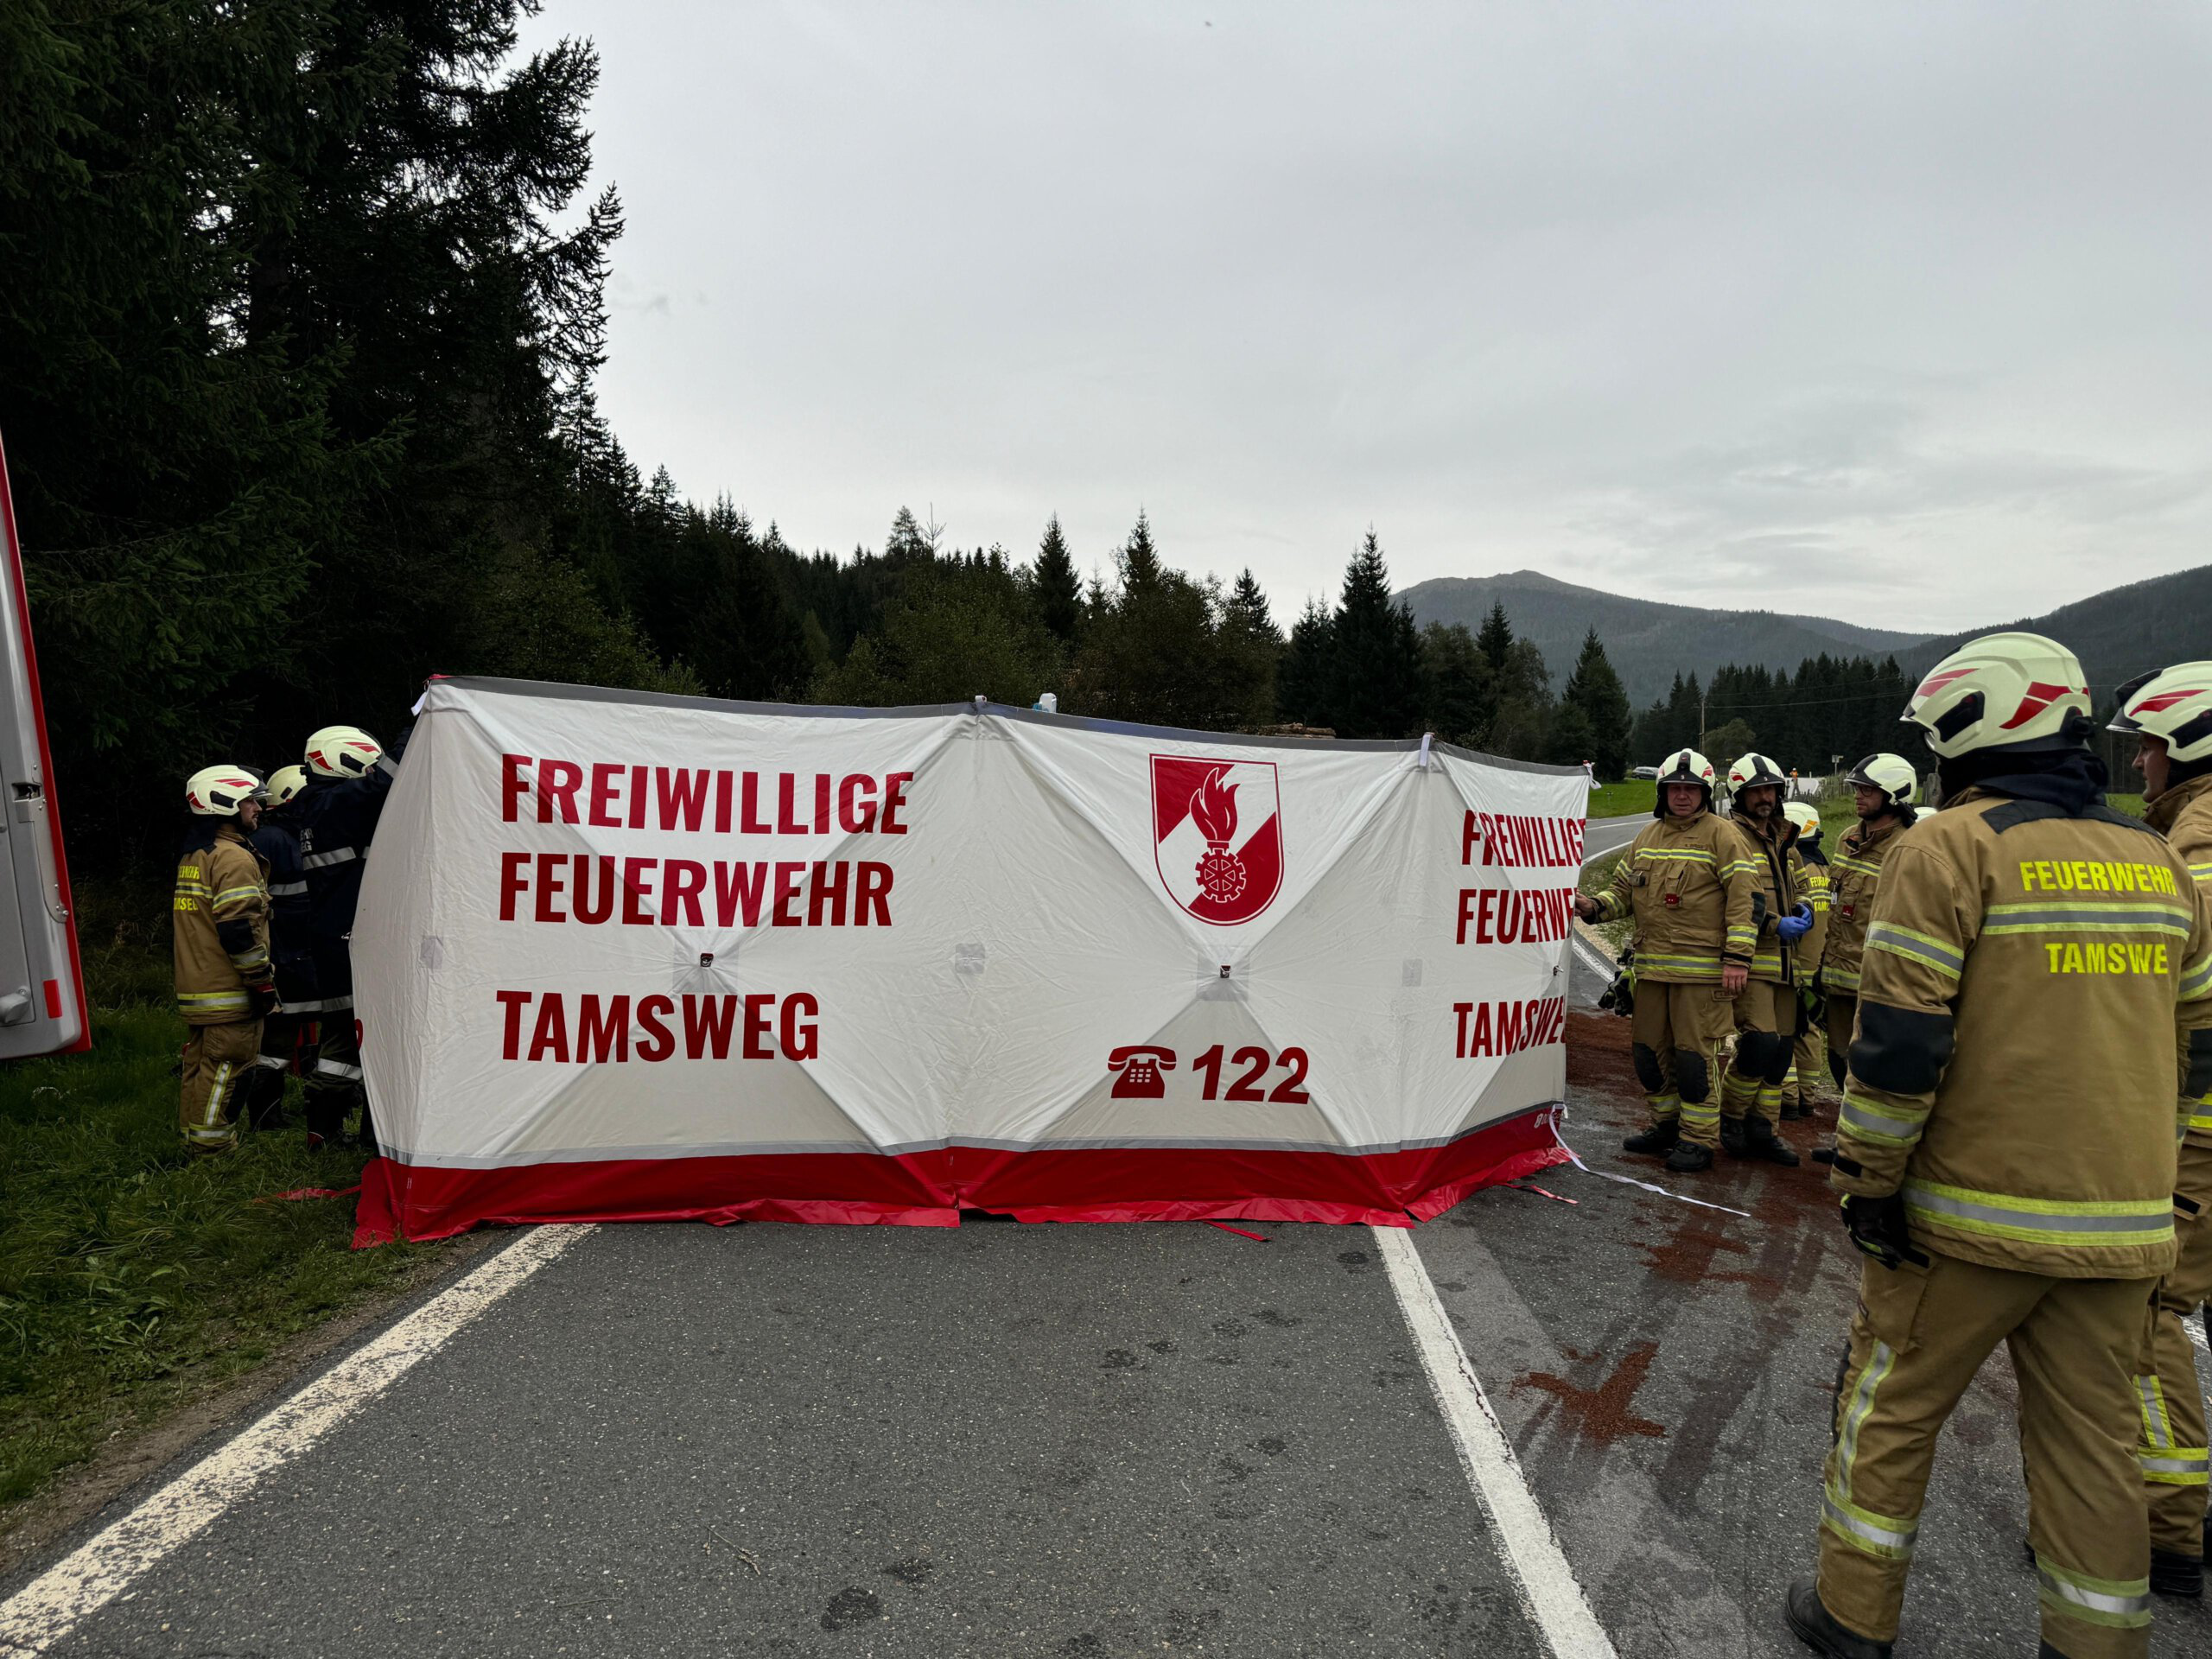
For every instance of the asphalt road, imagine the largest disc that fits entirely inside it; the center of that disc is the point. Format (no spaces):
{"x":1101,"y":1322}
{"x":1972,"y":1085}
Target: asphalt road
{"x":1113,"y":1440}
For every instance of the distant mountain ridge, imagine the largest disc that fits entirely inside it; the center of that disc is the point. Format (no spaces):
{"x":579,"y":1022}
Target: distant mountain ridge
{"x":2117,"y":634}
{"x":1648,"y":642}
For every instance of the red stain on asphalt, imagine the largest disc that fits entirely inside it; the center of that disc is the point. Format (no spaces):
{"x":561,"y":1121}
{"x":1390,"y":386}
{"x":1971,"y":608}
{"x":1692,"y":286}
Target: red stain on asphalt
{"x":1601,"y":1416}
{"x":1685,"y":1258}
{"x":1598,"y":1055}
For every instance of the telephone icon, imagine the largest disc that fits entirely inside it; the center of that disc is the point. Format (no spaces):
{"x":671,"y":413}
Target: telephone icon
{"x":1140,"y":1066}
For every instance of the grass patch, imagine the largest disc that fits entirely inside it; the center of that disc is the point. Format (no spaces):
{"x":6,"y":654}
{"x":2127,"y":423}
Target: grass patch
{"x":1637,"y":795}
{"x":134,"y":1274}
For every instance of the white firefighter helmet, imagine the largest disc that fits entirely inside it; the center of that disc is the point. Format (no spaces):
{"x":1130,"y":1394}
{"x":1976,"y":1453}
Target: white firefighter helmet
{"x":342,"y":752}
{"x":219,"y":791}
{"x":1752,"y":770}
{"x":1682,"y":766}
{"x":2003,"y":690}
{"x":1891,"y":773}
{"x":1806,"y":817}
{"x":283,"y":783}
{"x":2174,"y":704}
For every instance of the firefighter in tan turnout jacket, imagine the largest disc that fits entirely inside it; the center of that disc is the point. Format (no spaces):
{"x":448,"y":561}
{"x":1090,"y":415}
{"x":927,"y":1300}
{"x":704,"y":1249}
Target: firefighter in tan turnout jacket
{"x":2035,"y":964}
{"x":1686,"y":884}
{"x":1805,"y":1059}
{"x":1766,"y":1011}
{"x":224,"y":981}
{"x":2171,"y":715}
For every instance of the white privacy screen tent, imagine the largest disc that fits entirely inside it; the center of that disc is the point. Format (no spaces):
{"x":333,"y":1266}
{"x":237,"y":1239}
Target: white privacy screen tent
{"x":623,"y":956}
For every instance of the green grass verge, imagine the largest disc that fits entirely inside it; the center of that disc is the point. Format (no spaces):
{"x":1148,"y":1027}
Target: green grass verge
{"x":133,"y":1274}
{"x":1637,"y":795}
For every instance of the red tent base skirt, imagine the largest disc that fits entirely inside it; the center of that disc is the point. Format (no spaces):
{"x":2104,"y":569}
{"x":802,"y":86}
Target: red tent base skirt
{"x":930,"y":1189}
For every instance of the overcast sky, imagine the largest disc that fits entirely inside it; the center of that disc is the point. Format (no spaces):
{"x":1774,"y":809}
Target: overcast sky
{"x":1897,"y":313}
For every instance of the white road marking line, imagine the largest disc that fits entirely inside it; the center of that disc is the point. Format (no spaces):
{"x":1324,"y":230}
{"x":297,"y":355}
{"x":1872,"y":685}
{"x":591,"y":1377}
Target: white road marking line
{"x":1549,"y":1591}
{"x":1594,"y":959}
{"x":54,"y":1604}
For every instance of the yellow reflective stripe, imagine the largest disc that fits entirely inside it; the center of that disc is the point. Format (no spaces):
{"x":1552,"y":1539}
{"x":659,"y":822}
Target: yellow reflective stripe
{"x":2201,"y":1121}
{"x":210,"y":1001}
{"x":2085,"y":1223}
{"x":1881,"y":1121}
{"x":1843,"y":862}
{"x":1691,"y":855}
{"x":1840,"y":979}
{"x":1915,"y":946}
{"x":256,"y":891}
{"x":2157,"y":1429}
{"x":2086,"y":917}
{"x":2116,"y":1603}
{"x":1877,"y":1535}
{"x":2196,"y":980}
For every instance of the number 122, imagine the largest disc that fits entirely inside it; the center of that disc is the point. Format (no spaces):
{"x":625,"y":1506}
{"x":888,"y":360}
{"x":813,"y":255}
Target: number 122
{"x":1289,"y":1092}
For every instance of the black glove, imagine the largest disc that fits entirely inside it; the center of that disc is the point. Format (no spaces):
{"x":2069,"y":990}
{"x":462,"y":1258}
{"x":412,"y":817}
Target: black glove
{"x":1878,"y":1227}
{"x":262,"y":1001}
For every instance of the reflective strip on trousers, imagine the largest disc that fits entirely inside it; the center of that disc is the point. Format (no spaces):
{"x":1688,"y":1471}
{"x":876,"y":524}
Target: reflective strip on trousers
{"x":2118,"y":1604}
{"x":273,"y":1062}
{"x":332,"y":1069}
{"x":286,"y":889}
{"x":2181,"y":1466}
{"x":211,"y":1001}
{"x":213,"y":1117}
{"x":2040,"y":1221}
{"x":336,"y":856}
{"x":1889,"y":1537}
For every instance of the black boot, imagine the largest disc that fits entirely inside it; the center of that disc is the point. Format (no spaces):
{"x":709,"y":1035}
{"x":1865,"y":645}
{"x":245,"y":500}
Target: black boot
{"x":1688,"y":1158}
{"x":325,"y":1117}
{"x":1795,"y":1107}
{"x":1657,"y":1141}
{"x":1824,"y":1154}
{"x":1732,"y":1136}
{"x":2173,"y":1573}
{"x":1761,"y":1141}
{"x":1817,"y":1629}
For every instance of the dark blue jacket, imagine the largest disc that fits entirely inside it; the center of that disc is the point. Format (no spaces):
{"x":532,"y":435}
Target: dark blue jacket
{"x":337,"y":818}
{"x":290,"y":942}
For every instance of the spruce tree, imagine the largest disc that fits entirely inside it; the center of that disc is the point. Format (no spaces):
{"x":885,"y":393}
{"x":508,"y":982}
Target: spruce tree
{"x":1058,"y":589}
{"x":1374,"y":680}
{"x":1140,"y":560}
{"x":1303,"y":680}
{"x":1497,"y":637}
{"x":1595,"y":689}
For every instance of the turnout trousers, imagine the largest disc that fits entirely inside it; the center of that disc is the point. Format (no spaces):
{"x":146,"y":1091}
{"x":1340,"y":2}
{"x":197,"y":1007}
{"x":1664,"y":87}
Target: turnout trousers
{"x":334,"y":1084}
{"x":1766,"y":1022}
{"x":1843,"y":1012}
{"x":1917,"y":1339}
{"x":1674,"y":1037}
{"x":218,"y":1060}
{"x":2174,"y":1461}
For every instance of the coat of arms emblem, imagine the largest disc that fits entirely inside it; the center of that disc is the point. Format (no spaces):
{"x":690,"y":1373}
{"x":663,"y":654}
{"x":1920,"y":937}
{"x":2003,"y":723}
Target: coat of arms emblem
{"x":1216,"y":835}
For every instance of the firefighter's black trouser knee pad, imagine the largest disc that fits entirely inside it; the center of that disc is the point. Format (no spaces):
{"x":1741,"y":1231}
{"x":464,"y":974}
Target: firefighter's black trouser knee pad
{"x":1836,"y":1066}
{"x":1693,"y":1076}
{"x":1648,"y":1071}
{"x":1763,"y":1055}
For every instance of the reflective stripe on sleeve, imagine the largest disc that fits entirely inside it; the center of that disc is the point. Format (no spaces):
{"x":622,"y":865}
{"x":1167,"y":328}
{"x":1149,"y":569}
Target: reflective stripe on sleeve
{"x":1915,"y":947}
{"x":254,"y":891}
{"x":286,"y":889}
{"x":1839,"y":979}
{"x":336,"y":856}
{"x":2196,"y":980}
{"x":2116,"y":1222}
{"x":1880,"y":1121}
{"x":2119,"y":1604}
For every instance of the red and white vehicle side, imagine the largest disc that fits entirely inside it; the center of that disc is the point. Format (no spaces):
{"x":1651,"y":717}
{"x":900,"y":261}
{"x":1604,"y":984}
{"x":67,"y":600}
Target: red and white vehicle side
{"x":43,"y":1009}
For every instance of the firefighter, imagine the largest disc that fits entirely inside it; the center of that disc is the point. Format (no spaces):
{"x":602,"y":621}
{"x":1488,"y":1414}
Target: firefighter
{"x":2006,"y":1150}
{"x":2170,"y":716}
{"x":1805,"y":1059}
{"x":1882,"y":787}
{"x":225,"y":983}
{"x":277,"y":838}
{"x":1687,"y":885}
{"x":1766,"y":1011}
{"x":349,"y":776}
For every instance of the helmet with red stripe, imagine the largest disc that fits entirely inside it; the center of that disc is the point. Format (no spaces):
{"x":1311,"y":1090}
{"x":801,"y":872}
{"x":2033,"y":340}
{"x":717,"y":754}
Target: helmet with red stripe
{"x":2003,"y":690}
{"x":219,"y":791}
{"x":2174,"y":704}
{"x":342,"y":752}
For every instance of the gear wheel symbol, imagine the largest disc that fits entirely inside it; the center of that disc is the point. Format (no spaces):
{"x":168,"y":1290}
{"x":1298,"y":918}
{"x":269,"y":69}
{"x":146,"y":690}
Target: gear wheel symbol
{"x":1220,"y":875}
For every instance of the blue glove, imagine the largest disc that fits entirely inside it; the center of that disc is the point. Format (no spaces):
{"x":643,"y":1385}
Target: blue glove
{"x":1794,"y":926}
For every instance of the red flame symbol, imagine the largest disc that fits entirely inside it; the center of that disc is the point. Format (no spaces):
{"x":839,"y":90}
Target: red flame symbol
{"x":1213,"y":808}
